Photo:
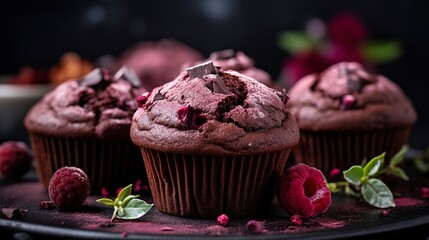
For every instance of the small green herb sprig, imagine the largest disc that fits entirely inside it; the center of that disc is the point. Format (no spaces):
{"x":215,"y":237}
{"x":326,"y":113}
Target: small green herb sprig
{"x":126,"y":206}
{"x":362,"y":180}
{"x":421,"y":161}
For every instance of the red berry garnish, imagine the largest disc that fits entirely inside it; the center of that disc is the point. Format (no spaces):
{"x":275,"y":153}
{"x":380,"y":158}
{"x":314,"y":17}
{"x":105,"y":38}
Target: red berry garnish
{"x":254,"y":226}
{"x":296,"y":219}
{"x":303,"y":191}
{"x":141,"y":100}
{"x":348,"y":102}
{"x":104,"y":192}
{"x":15,"y":159}
{"x":425,"y":192}
{"x":223,"y":220}
{"x":68,"y":188}
{"x":187,"y":116}
{"x":384,"y":213}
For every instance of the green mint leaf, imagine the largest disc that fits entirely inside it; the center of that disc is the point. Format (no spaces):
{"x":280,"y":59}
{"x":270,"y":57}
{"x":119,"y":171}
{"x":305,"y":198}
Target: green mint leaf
{"x":295,"y":42}
{"x":399,"y":173}
{"x":399,"y":156}
{"x":354,"y":174}
{"x":127,"y":199}
{"x":135,"y":208}
{"x":421,"y":161}
{"x":376,"y":193}
{"x":125,"y":192}
{"x":373,"y":165}
{"x":105,"y":201}
{"x":421,"y":164}
{"x":381,"y":52}
{"x":333,"y":187}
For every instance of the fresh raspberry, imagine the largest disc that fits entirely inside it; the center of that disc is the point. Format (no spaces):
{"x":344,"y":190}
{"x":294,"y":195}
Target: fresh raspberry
{"x":303,"y":191}
{"x":254,"y":226}
{"x":223,"y":220}
{"x":15,"y":159}
{"x":69,"y":187}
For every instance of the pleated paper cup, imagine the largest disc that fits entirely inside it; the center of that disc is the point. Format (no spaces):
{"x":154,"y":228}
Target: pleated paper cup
{"x":326,"y":150}
{"x":207,"y":186}
{"x":108,"y":163}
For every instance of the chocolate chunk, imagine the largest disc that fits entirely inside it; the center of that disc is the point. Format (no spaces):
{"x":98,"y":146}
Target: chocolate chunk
{"x":13,"y":212}
{"x":92,"y":78}
{"x":95,"y":77}
{"x":158,"y":96}
{"x":283,"y":95}
{"x":224,"y":54}
{"x":354,"y":84}
{"x":216,"y":84}
{"x":129,"y":75}
{"x":200,"y":70}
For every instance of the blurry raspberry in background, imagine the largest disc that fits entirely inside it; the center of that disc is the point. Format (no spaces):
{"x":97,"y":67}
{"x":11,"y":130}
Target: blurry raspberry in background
{"x":343,"y":38}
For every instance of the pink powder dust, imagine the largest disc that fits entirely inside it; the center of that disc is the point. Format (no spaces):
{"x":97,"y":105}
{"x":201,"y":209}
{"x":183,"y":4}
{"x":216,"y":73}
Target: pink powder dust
{"x":408,"y":201}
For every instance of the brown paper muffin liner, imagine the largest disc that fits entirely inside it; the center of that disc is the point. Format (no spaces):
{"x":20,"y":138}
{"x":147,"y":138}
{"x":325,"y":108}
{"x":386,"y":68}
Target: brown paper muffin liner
{"x":207,"y":186}
{"x":108,"y":163}
{"x":342,"y":149}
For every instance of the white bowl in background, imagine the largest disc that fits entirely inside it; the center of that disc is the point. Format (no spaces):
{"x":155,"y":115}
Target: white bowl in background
{"x":15,"y":101}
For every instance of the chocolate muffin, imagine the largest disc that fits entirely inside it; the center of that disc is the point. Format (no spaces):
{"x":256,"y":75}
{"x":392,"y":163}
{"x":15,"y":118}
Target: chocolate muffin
{"x":229,"y":59}
{"x":158,"y":62}
{"x":213,"y":142}
{"x":86,"y":123}
{"x":346,"y":115}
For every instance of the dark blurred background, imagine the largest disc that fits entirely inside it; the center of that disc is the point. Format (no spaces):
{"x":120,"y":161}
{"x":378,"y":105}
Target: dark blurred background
{"x":37,"y":33}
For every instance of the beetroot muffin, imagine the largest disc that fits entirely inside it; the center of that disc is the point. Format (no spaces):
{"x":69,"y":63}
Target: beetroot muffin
{"x":229,"y":59}
{"x":158,"y":62}
{"x":85,"y":123}
{"x":213,"y":142}
{"x":346,"y":115}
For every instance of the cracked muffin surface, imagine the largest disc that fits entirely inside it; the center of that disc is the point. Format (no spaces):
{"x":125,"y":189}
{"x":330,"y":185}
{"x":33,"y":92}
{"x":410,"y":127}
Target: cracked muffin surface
{"x":208,"y":111}
{"x":98,"y":105}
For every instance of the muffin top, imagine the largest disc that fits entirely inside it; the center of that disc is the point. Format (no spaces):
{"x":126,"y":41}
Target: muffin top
{"x":229,"y":59}
{"x":346,"y":97}
{"x":158,"y":62}
{"x":98,"y":105}
{"x":207,"y":111}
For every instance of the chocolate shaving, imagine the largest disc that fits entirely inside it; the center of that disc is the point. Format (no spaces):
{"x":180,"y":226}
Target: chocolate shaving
{"x":216,"y":84}
{"x":129,"y":75}
{"x":356,"y":78}
{"x":10,"y":213}
{"x":224,"y":54}
{"x":200,"y":70}
{"x":158,"y":96}
{"x":95,"y":77}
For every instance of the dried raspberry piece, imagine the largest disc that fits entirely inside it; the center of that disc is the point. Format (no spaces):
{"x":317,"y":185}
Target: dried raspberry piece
{"x":296,"y":219}
{"x":15,"y":159}
{"x":303,"y":191}
{"x":69,"y":187}
{"x":187,"y":116}
{"x":141,"y":100}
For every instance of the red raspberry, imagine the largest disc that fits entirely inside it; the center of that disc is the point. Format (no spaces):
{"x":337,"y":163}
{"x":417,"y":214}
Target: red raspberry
{"x":303,"y":191}
{"x":68,"y":188}
{"x":15,"y":159}
{"x":223,"y":220}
